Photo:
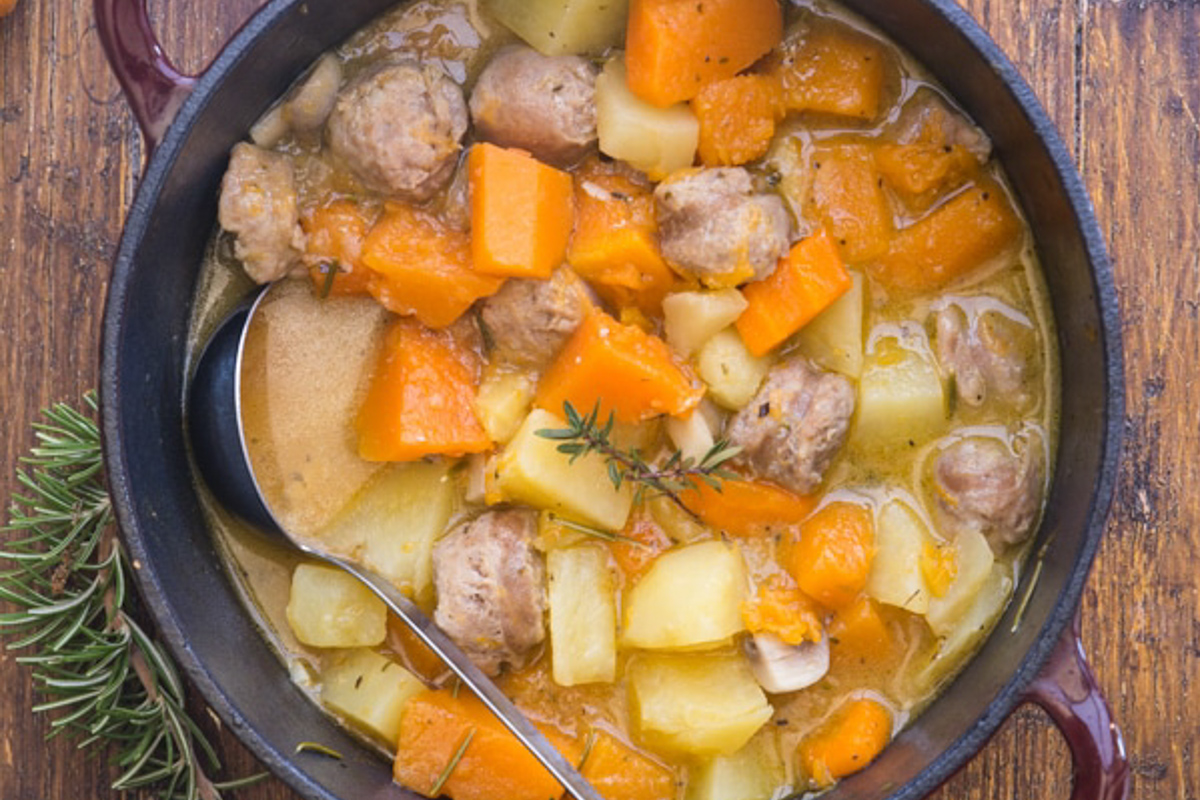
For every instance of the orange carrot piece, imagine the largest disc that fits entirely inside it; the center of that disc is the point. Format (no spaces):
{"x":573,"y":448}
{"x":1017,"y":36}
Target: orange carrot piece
{"x":966,"y":232}
{"x":413,"y":653}
{"x":493,"y":765}
{"x":859,"y":631}
{"x":851,"y":739}
{"x":782,"y":609}
{"x":615,"y":243}
{"x":737,"y":118}
{"x":422,"y":267}
{"x":806,"y":281}
{"x":849,"y":201}
{"x":832,"y":557}
{"x":649,"y":541}
{"x":335,"y":234}
{"x":674,"y":48}
{"x":619,"y":772}
{"x":421,"y":400}
{"x":829,"y":68}
{"x":747,"y":508}
{"x":626,"y":370}
{"x":521,"y":213}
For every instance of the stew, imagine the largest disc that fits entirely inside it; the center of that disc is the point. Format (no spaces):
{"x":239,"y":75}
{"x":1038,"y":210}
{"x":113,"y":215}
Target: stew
{"x":690,"y":362}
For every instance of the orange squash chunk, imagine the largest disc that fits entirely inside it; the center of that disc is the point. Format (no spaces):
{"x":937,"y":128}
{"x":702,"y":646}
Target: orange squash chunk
{"x":747,"y":508}
{"x":615,"y":244}
{"x":493,"y":765}
{"x":627,"y":371}
{"x":335,"y":234}
{"x":782,"y":609}
{"x":829,"y":68}
{"x":737,"y":118}
{"x":851,"y":739}
{"x":831,"y":558}
{"x":966,"y":232}
{"x":642,"y":541}
{"x":850,"y":202}
{"x":521,"y":213}
{"x":621,"y":773}
{"x":422,"y":268}
{"x":421,"y":400}
{"x":674,"y":48}
{"x":806,"y":281}
{"x":860,"y":631}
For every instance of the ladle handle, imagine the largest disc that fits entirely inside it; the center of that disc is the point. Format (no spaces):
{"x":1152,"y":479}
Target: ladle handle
{"x":512,"y":717}
{"x":154,"y":88}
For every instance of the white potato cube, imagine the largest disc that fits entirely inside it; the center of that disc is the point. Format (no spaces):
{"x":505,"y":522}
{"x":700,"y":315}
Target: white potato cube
{"x":973,"y":561}
{"x":328,"y":608}
{"x":896,"y":578}
{"x":583,"y":616}
{"x":834,"y":340}
{"x":369,"y":690}
{"x":732,"y":373}
{"x":503,"y":400}
{"x":391,"y":525}
{"x":704,"y":704}
{"x":754,"y":772}
{"x":691,"y":435}
{"x":657,"y":141}
{"x":691,"y":597}
{"x":531,"y":470}
{"x":562,"y":27}
{"x":692,"y":318}
{"x":901,"y":402}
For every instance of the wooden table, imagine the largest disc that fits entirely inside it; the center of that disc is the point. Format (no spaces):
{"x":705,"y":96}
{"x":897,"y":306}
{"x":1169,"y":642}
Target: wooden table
{"x":1122,"y":82}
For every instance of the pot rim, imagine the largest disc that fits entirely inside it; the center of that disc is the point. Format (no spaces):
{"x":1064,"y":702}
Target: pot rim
{"x":953,"y":757}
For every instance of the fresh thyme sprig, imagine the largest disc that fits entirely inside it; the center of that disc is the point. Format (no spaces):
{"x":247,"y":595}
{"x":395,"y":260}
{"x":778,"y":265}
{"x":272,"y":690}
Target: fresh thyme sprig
{"x":105,"y":679}
{"x":585,"y":434}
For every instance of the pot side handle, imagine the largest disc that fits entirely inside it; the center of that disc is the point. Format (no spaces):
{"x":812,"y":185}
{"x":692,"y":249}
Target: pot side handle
{"x":153,"y":87}
{"x":1067,"y":690}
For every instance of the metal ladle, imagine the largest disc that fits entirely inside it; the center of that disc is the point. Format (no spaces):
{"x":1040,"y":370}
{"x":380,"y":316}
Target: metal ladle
{"x":219,"y":446}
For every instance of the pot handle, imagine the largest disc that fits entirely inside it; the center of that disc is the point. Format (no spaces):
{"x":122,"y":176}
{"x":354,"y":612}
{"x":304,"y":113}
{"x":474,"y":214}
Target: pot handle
{"x":1067,"y":690}
{"x":153,"y":87}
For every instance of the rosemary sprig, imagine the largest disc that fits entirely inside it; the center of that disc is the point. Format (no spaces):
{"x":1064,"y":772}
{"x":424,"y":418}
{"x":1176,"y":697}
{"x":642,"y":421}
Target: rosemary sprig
{"x":105,"y":679}
{"x":436,"y":790}
{"x":585,"y":434}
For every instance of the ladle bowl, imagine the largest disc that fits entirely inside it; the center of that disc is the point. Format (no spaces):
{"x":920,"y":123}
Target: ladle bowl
{"x":218,"y":440}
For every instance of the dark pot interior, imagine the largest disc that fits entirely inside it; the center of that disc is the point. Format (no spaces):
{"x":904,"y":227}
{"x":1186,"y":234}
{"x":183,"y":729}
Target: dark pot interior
{"x":144,"y":351}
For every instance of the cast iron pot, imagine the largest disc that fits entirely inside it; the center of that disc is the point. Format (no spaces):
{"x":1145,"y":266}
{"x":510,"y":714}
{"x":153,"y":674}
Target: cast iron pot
{"x":191,"y":123}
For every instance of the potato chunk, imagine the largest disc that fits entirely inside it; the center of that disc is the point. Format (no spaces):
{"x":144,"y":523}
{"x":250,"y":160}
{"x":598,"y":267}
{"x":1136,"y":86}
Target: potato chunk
{"x":562,"y":27}
{"x":732,"y":372}
{"x":328,"y":608}
{"x":690,"y":597}
{"x":657,"y":141}
{"x":754,"y":772}
{"x":896,"y":577}
{"x":391,"y":525}
{"x":532,"y":471}
{"x":901,"y":402}
{"x":834,"y":340}
{"x":973,"y":561}
{"x":697,"y":704}
{"x":692,"y":318}
{"x":369,"y":690}
{"x":583,"y":616}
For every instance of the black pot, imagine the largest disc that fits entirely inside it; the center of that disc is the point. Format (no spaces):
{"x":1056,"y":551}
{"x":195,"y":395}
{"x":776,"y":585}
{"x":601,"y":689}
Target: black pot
{"x":190,"y":124}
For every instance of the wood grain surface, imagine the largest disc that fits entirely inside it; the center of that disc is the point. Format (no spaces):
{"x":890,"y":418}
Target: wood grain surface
{"x":1121,"y":78}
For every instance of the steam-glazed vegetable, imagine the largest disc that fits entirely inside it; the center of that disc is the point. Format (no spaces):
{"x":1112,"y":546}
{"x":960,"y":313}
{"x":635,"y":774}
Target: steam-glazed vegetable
{"x":688,"y":362}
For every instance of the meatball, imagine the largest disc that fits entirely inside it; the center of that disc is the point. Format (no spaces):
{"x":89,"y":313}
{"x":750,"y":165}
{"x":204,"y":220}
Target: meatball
{"x":794,"y":426}
{"x":530,"y":320}
{"x":982,"y":484}
{"x":715,"y":227}
{"x":983,"y":355}
{"x":543,"y":104}
{"x":490,"y":584}
{"x":399,"y":129}
{"x":259,"y":207}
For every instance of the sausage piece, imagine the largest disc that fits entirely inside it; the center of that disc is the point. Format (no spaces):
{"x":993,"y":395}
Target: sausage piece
{"x":399,"y":129}
{"x":713,"y":226}
{"x":982,"y":484}
{"x":258,"y":205}
{"x":530,"y":320}
{"x":794,"y":426}
{"x":543,"y":104}
{"x":490,"y":582}
{"x":983,"y":355}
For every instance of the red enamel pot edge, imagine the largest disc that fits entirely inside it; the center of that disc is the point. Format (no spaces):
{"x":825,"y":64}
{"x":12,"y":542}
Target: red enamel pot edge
{"x":190,"y":124}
